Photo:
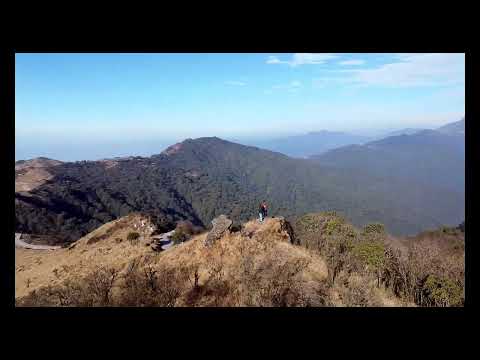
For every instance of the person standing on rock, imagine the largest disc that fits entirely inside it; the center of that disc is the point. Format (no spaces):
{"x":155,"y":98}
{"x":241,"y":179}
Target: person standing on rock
{"x":262,"y":211}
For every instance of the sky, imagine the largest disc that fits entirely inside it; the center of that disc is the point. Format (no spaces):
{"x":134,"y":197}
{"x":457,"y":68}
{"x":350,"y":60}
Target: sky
{"x":93,"y":106}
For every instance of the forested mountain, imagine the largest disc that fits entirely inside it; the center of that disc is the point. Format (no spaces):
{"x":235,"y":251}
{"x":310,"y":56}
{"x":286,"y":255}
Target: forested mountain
{"x":203,"y":178}
{"x":429,"y":157}
{"x":456,"y":128}
{"x":407,"y":131}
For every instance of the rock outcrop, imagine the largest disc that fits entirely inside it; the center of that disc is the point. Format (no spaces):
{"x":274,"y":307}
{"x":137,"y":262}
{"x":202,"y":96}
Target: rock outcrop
{"x":162,"y":242}
{"x":287,"y":227}
{"x":221,"y":225}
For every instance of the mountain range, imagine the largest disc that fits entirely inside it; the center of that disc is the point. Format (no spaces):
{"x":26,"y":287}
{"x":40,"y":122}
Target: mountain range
{"x":316,"y":142}
{"x":406,"y":131}
{"x":428,"y":157}
{"x":319,"y":142}
{"x":455,"y":128}
{"x":409,"y":183}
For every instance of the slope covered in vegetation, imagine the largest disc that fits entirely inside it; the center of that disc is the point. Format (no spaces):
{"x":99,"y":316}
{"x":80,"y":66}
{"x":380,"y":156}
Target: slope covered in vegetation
{"x":316,"y":260}
{"x":429,"y":157}
{"x":426,"y":270}
{"x":199,"y":179}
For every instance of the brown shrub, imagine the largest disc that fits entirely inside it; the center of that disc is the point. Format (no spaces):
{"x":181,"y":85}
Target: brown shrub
{"x":184,"y":231}
{"x":94,"y":290}
{"x":133,"y":237}
{"x":215,"y":290}
{"x":270,"y":281}
{"x":356,"y":290}
{"x":426,"y":276}
{"x":149,"y":287}
{"x":188,"y":228}
{"x":99,"y":285}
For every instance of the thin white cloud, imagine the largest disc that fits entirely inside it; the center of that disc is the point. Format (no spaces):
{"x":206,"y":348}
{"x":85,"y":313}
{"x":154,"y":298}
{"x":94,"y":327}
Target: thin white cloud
{"x":413,"y":70}
{"x":235,"y":83}
{"x":352,"y":62}
{"x":293,"y":85}
{"x":303,"y":59}
{"x":273,"y":60}
{"x":330,"y":80}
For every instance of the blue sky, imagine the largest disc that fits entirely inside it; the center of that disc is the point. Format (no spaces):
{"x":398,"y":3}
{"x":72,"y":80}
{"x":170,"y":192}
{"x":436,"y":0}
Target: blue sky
{"x":90,"y":106}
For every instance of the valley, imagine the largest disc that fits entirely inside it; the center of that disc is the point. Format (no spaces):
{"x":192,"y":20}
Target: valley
{"x":199,"y":179}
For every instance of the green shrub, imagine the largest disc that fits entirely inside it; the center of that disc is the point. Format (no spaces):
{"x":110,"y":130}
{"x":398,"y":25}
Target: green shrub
{"x":179,"y":236}
{"x":371,"y":253}
{"x":374,"y":228}
{"x":333,"y":226}
{"x":330,"y":213}
{"x":337,"y":251}
{"x":439,"y":291}
{"x":133,"y":237}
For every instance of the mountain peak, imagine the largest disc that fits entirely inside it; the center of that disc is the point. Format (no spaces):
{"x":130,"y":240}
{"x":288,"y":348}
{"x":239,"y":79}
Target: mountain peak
{"x":173,"y":149}
{"x":454,"y":128}
{"x":39,"y":162}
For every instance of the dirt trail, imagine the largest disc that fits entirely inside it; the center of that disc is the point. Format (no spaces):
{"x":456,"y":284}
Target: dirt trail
{"x":19,"y":243}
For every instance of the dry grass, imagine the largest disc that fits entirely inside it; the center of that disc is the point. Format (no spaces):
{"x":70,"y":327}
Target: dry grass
{"x":255,"y":267}
{"x":43,"y":268}
{"x":33,"y":173}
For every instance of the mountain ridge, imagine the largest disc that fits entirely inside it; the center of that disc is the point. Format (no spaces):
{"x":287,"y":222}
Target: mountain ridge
{"x":429,"y":156}
{"x":209,"y":176}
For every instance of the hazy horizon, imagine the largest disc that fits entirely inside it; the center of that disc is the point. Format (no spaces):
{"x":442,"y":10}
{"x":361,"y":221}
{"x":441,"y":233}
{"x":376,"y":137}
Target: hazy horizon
{"x":92,"y":106}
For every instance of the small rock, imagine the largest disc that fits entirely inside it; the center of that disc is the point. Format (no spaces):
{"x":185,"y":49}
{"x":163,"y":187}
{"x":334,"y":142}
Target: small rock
{"x":156,"y":248}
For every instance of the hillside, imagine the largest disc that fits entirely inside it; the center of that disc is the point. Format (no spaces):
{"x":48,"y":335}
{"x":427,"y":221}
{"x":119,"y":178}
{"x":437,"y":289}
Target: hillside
{"x":321,"y":260}
{"x":33,"y":173}
{"x":202,"y":178}
{"x":406,"y":131}
{"x":456,"y":128}
{"x":429,"y":157}
{"x":231,"y":257}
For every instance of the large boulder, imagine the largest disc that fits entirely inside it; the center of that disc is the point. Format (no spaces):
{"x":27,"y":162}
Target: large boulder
{"x":221,"y":225}
{"x":162,"y":241}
